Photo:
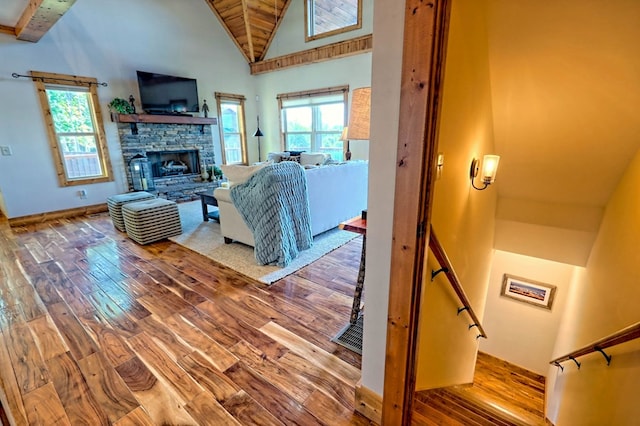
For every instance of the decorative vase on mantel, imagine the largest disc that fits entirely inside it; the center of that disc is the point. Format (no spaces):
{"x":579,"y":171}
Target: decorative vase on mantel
{"x":205,"y":174}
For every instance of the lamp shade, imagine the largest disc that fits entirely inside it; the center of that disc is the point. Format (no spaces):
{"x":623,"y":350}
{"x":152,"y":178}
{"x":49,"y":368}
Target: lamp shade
{"x":258,"y":133}
{"x":490,"y":168}
{"x":360,"y":114}
{"x":345,"y":132}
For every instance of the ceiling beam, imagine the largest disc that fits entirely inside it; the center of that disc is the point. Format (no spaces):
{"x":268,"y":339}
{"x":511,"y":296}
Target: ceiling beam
{"x":247,"y":28}
{"x":38,"y":18}
{"x":7,"y":30}
{"x":341,"y":49}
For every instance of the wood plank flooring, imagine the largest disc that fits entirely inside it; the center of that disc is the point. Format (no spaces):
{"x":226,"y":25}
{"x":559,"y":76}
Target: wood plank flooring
{"x":502,"y":394}
{"x":95,"y":329}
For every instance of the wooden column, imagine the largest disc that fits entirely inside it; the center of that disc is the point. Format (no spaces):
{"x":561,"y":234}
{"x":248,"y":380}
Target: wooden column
{"x":425,"y":33}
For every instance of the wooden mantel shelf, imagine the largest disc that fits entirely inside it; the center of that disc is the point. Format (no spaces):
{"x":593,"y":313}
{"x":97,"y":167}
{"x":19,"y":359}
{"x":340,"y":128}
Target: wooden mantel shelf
{"x":162,"y":119}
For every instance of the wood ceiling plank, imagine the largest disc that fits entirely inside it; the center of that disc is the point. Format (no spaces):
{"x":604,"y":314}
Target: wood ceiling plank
{"x":38,"y":18}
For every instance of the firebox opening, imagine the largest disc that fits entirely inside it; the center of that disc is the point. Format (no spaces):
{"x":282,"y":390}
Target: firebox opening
{"x":172,"y":163}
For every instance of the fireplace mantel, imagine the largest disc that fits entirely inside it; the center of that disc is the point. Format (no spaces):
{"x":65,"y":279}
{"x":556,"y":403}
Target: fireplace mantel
{"x":162,"y":119}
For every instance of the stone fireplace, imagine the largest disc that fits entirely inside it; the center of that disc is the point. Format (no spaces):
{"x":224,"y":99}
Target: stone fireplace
{"x":177,"y":153}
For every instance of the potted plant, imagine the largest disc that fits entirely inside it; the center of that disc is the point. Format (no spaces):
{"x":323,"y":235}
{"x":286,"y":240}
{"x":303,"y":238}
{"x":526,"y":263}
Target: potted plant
{"x":120,"y":106}
{"x":217,"y":172}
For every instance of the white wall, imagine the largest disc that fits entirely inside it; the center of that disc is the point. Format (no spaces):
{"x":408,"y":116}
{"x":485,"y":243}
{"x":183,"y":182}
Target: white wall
{"x":313,"y":76}
{"x":385,"y":101}
{"x":108,"y":40}
{"x":290,"y":35}
{"x":354,"y":71}
{"x":521,"y":333}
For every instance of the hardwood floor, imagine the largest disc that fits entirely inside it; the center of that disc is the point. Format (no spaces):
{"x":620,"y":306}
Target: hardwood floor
{"x":96,"y":329}
{"x":501,"y":394}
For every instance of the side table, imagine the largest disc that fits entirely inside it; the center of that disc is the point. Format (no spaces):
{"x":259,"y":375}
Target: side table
{"x":207,"y":199}
{"x":359,"y":225}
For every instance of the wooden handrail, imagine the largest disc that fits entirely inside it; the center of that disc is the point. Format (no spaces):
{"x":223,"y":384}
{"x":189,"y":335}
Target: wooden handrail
{"x":622,"y":336}
{"x":445,"y":263}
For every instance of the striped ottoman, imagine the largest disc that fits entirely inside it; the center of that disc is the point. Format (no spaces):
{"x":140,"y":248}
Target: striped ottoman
{"x":116,"y":202}
{"x":151,"y":220}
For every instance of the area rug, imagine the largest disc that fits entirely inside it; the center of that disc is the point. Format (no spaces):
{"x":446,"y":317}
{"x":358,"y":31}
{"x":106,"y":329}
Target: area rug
{"x":205,"y":238}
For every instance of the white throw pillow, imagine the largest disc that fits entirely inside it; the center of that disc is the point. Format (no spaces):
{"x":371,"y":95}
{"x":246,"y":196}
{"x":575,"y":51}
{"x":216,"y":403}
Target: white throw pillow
{"x":276,"y":157}
{"x":313,"y":159}
{"x":240,"y":174}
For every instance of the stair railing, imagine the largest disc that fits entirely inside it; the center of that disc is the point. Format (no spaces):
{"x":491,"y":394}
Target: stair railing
{"x":617,"y":338}
{"x":447,"y":268}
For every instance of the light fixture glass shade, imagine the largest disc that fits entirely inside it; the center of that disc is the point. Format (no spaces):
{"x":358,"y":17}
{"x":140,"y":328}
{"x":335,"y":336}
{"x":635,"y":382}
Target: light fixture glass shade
{"x":360,"y":114}
{"x":343,"y":136}
{"x":489,"y":168}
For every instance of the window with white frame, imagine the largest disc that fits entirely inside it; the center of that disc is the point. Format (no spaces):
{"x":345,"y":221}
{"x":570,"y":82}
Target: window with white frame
{"x":312,"y":121}
{"x":325,"y":18}
{"x":72,"y":114}
{"x":232,"y":128}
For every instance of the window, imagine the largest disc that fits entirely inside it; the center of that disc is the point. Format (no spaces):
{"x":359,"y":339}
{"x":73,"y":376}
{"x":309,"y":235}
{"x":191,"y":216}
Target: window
{"x":325,"y":18}
{"x":74,"y":123}
{"x":232,"y":129}
{"x":313,"y":121}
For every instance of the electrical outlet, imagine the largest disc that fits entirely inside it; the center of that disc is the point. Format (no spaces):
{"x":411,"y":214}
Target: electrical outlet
{"x":6,"y":150}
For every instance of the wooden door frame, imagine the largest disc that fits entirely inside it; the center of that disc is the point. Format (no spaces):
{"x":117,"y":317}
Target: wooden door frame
{"x":426,"y":25}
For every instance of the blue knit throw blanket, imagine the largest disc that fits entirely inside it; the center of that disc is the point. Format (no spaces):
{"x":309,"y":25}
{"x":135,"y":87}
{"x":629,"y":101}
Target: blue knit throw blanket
{"x":274,"y":204}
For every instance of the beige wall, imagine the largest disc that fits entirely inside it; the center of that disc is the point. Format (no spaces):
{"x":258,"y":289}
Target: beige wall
{"x":605,"y":300}
{"x":463,"y":218}
{"x":521,"y":333}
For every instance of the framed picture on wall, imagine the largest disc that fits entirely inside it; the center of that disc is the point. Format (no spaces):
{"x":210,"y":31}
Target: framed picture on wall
{"x":528,"y":291}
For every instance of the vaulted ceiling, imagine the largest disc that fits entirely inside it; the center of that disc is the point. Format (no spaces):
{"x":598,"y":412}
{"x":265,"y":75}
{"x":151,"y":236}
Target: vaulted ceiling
{"x":251,"y":24}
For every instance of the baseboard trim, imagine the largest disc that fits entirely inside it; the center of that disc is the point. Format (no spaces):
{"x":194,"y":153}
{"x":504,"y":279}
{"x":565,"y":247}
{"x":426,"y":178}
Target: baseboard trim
{"x":59,"y":214}
{"x":368,"y":403}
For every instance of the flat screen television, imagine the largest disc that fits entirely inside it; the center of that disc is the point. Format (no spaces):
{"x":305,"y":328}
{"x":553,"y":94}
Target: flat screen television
{"x":167,"y":94}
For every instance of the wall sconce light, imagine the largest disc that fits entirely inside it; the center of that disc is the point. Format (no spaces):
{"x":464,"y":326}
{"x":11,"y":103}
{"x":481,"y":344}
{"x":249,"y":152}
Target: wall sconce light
{"x":439,"y":165}
{"x":489,"y":170}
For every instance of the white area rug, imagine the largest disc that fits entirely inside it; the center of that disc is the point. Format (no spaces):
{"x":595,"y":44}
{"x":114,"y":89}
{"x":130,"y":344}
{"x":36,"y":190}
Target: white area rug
{"x":205,"y":238}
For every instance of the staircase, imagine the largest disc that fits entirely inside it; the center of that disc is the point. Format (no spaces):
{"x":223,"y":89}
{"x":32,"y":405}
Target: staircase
{"x":502,"y":394}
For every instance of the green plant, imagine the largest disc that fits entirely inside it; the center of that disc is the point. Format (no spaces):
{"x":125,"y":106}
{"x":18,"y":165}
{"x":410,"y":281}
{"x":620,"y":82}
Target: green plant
{"x":121,"y":106}
{"x":217,"y":172}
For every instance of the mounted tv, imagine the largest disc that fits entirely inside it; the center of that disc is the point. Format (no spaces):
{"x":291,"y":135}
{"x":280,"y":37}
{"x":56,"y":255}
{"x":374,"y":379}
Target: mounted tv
{"x":167,"y":94}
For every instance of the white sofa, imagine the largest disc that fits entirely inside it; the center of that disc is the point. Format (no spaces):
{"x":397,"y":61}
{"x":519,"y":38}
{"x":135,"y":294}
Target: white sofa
{"x":337,"y":192}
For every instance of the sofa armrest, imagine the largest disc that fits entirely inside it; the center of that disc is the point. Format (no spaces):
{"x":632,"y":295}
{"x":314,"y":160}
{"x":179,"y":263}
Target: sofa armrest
{"x":222,"y":194}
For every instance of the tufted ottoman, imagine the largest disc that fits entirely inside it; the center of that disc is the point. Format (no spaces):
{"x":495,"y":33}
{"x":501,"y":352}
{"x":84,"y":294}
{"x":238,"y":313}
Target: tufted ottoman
{"x":151,"y":220}
{"x":116,"y":202}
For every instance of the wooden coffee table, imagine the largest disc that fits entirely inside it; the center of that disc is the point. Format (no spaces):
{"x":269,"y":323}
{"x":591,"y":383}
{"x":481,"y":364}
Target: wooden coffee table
{"x":207,"y":199}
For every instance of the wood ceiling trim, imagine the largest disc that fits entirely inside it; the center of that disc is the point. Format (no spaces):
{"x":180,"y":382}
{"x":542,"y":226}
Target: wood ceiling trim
{"x":341,"y":49}
{"x":226,"y":28}
{"x":38,"y":18}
